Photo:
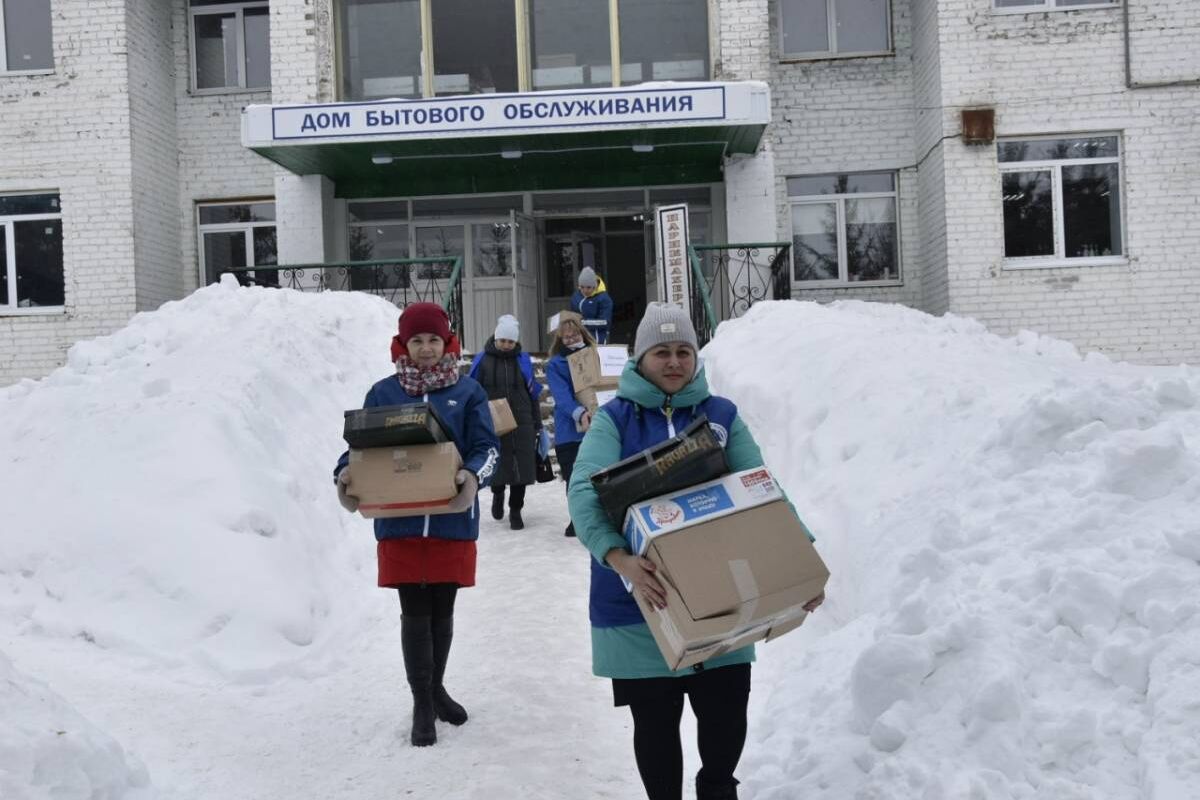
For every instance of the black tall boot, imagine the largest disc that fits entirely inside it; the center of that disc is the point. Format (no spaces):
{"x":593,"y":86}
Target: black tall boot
{"x":497,"y":502}
{"x":716,"y":791}
{"x":416,"y":639}
{"x":443,"y":705}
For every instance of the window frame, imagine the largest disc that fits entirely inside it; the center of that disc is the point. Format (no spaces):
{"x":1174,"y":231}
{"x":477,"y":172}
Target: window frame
{"x":843,"y":281}
{"x":832,"y":53}
{"x":1059,"y":257}
{"x":232,"y":227}
{"x":4,"y":70}
{"x":525,"y":55}
{"x":1050,"y":6}
{"x":238,"y":7}
{"x":9,"y":273}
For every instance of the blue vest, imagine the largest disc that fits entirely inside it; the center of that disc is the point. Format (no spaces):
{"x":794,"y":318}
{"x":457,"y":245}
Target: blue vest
{"x":610,"y":605}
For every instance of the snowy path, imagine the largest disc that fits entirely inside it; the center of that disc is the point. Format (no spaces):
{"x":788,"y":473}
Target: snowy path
{"x":541,"y":726}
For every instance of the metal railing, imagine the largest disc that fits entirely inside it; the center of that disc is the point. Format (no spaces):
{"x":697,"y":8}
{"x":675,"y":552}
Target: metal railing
{"x":402,"y":281}
{"x":727,"y":279}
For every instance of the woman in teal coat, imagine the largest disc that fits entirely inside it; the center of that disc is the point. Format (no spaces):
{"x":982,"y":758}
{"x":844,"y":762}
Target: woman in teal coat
{"x":662,"y":390}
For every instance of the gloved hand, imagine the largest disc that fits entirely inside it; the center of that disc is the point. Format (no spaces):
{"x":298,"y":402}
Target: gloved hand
{"x":468,"y":485}
{"x":543,"y":444}
{"x":348,"y":501}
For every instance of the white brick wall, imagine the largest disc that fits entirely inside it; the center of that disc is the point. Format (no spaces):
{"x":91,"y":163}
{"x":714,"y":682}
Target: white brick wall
{"x":69,"y":132}
{"x":1063,"y":72}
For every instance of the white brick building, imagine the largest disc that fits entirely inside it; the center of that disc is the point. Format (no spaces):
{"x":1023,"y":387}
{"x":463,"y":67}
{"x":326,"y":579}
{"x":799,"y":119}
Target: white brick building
{"x":124,"y":164}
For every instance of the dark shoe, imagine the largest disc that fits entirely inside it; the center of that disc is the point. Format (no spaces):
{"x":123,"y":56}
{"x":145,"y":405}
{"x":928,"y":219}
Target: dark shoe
{"x":416,"y":640}
{"x":497,"y":504}
{"x":514,"y":519}
{"x":444,"y":706}
{"x":570,"y":531}
{"x":726,"y":790}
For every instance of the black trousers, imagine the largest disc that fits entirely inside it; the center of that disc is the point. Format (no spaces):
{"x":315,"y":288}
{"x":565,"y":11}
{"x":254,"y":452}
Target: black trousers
{"x":718,"y":698}
{"x":566,"y":453}
{"x":435,"y":600}
{"x":516,"y":494}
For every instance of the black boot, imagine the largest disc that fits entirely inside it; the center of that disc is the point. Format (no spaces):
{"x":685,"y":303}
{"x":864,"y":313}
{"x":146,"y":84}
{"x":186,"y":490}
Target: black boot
{"x":497,"y":502}
{"x":514,"y":519}
{"x":416,"y":639}
{"x":443,"y":705}
{"x":717,"y":791}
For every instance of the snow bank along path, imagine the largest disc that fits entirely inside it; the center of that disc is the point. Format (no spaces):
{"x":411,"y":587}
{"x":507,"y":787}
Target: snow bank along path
{"x":1014,"y":534}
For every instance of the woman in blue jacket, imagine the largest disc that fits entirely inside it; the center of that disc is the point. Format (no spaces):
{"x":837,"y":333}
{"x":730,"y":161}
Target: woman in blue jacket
{"x":426,"y":559}
{"x":662,"y":389}
{"x":593,"y":302}
{"x":571,"y":418}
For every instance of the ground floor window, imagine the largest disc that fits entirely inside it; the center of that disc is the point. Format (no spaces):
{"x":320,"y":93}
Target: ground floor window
{"x":31,"y":252}
{"x":236,"y":235}
{"x":845,"y":229}
{"x":1061,"y":198}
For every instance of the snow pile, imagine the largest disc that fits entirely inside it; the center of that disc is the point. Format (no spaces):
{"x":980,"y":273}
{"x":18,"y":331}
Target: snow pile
{"x":168,"y":491}
{"x":47,"y":750}
{"x":1014,"y":534}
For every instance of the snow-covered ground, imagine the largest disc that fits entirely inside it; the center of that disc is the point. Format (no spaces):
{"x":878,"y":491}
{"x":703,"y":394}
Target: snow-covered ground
{"x":186,"y":612}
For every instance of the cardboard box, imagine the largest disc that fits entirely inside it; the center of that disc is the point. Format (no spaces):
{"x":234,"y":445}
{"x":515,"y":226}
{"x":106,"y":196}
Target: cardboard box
{"x":592,"y":399}
{"x":736,"y":563}
{"x":502,"y":417}
{"x":404,"y":481}
{"x":394,"y":426}
{"x":597,"y":367}
{"x":693,"y":456}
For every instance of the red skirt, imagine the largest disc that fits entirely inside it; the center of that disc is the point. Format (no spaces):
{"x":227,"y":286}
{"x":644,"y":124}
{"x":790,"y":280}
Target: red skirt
{"x":423,"y":559}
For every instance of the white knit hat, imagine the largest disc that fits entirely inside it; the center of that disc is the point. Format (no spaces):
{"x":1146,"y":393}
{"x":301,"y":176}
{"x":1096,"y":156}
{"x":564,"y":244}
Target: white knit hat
{"x":507,"y":327}
{"x":662,"y":323}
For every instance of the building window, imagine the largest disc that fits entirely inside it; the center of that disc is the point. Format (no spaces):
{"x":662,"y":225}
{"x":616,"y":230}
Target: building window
{"x":238,"y":235}
{"x":1050,"y":5}
{"x":844,"y":229}
{"x":1062,"y":198}
{"x":31,"y":252}
{"x":231,"y":45}
{"x":428,"y":48}
{"x":823,"y":28}
{"x":25,"y":37}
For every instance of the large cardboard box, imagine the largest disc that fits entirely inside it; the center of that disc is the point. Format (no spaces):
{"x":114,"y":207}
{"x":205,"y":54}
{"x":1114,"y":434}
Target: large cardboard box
{"x":597,"y":367}
{"x":736,"y":563}
{"x":404,"y":481}
{"x":502,"y":417}
{"x":692,"y":456}
{"x":393,"y":426}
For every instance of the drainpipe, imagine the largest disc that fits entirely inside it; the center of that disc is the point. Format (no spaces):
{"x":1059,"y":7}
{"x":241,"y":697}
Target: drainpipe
{"x":1129,"y":82}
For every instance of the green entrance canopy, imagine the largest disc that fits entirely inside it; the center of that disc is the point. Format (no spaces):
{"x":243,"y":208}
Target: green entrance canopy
{"x":661,"y":134}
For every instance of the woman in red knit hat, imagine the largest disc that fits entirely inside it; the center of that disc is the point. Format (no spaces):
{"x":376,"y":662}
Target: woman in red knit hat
{"x":428,"y":558}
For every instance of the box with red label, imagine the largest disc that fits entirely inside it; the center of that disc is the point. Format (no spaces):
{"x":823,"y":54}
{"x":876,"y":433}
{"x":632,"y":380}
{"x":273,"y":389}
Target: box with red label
{"x":735,"y":560}
{"x":404,"y":481}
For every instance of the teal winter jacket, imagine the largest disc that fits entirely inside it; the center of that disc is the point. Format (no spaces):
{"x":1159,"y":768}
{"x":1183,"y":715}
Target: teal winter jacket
{"x":629,"y":651}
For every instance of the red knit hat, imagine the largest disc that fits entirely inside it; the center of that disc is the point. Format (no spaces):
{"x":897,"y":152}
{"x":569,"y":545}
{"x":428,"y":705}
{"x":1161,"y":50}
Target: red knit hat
{"x":424,"y":318}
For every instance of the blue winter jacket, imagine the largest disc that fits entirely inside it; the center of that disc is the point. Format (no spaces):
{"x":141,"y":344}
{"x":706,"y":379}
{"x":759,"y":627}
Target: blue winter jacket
{"x":463,"y":410}
{"x":598,"y":306}
{"x":567,"y":409}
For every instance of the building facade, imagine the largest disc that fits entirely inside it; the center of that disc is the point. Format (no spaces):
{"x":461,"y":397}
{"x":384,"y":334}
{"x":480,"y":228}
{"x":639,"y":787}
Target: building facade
{"x":1030,"y":163}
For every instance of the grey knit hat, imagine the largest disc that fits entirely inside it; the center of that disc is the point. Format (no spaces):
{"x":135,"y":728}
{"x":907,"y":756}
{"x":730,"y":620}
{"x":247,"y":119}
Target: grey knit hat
{"x":662,"y":323}
{"x":588,"y":278}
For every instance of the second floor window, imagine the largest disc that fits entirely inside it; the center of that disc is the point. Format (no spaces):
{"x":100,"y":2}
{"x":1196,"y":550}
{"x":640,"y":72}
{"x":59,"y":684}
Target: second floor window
{"x":25,"y":40}
{"x":231,"y":45}
{"x":826,"y":28}
{"x":428,"y":48}
{"x":1050,"y":5}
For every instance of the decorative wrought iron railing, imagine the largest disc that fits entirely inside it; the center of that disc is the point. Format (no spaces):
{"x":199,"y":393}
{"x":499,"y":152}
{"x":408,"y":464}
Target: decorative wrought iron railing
{"x":436,"y":279}
{"x":729,"y":278}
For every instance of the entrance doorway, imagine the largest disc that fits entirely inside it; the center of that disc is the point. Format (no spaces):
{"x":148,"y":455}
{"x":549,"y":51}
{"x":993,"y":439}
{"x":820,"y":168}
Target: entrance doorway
{"x":615,"y":247}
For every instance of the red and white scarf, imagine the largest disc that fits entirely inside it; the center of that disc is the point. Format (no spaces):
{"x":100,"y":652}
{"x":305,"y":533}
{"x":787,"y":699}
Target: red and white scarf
{"x":418,"y":381}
